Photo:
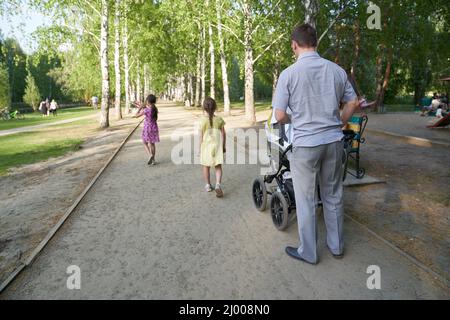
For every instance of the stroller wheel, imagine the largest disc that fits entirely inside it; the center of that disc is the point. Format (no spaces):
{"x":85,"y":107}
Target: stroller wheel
{"x":280,"y":211}
{"x":259,"y":193}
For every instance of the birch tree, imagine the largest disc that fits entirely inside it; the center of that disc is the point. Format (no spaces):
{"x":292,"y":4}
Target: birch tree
{"x":212,"y":57}
{"x":104,"y":117}
{"x":117,"y":70}
{"x":223,"y":59}
{"x":246,"y":10}
{"x":126,"y":63}
{"x":311,"y":11}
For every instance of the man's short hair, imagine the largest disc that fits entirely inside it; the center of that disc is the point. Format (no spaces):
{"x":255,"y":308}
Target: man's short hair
{"x":305,"y":35}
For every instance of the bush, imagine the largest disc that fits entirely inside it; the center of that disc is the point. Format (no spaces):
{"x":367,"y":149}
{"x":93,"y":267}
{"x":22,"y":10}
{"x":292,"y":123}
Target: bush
{"x":5,"y":90}
{"x":32,"y":95}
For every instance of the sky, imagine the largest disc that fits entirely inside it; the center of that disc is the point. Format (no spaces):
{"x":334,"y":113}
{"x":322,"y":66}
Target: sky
{"x":21,"y":26}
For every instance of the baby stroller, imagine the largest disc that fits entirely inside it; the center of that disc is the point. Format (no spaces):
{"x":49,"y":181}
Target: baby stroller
{"x":282,"y":201}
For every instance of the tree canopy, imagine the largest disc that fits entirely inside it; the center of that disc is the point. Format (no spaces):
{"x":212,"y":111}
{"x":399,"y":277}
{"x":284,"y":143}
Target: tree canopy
{"x":230,"y":49}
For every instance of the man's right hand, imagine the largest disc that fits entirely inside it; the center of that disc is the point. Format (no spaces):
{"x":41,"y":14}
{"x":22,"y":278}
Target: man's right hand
{"x":282,"y":116}
{"x":348,"y":111}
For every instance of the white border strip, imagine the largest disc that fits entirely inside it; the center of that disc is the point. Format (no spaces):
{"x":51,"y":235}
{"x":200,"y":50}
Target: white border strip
{"x":411,"y":139}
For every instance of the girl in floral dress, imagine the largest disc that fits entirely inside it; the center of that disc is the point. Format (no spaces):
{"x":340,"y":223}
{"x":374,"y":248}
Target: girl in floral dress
{"x":150,"y":134}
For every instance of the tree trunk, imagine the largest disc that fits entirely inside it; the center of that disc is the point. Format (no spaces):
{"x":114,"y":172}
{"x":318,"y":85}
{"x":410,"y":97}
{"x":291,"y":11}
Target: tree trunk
{"x":197,"y":102}
{"x":337,"y":58}
{"x":203,"y":94}
{"x":126,"y":66}
{"x":248,"y":62}
{"x":191,"y":90}
{"x":311,"y":11}
{"x":213,"y":63}
{"x":138,"y":82}
{"x":356,"y":56}
{"x":379,"y":67}
{"x":276,"y":75}
{"x":385,"y":82}
{"x":223,"y":61}
{"x":104,"y":117}
{"x":146,"y":82}
{"x":117,"y":62}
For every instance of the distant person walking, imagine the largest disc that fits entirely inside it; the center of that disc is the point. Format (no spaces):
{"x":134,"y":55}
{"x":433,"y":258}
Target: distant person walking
{"x":53,"y":108}
{"x":212,"y":142}
{"x":150,"y":133}
{"x":94,"y":101}
{"x":43,"y":108}
{"x":313,"y":89}
{"x":47,"y":105}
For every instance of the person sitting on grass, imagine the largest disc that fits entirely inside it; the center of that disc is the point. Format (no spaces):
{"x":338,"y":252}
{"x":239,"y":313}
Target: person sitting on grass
{"x":212,"y":144}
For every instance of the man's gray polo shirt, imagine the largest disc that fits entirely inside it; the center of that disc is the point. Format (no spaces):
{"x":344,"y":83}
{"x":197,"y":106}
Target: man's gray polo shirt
{"x":313,"y":89}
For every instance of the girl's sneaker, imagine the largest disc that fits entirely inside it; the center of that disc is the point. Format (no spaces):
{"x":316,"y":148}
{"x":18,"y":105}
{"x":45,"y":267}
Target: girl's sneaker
{"x":151,"y":160}
{"x":219,"y":192}
{"x":208,"y":188}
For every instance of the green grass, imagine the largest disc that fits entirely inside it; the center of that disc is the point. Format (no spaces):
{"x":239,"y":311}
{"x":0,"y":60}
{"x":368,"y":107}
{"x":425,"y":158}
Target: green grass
{"x":259,"y":105}
{"x":36,"y":118}
{"x":31,"y":147}
{"x":400,"y":108}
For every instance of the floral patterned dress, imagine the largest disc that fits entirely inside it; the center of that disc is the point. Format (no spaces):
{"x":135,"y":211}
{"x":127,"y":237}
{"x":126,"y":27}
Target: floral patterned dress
{"x":150,"y":134}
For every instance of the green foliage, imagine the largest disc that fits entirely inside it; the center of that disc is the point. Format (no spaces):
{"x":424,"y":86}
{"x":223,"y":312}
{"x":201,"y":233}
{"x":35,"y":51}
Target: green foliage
{"x":5,"y":93}
{"x":16,"y":64}
{"x":32,"y":95}
{"x":165,"y":35}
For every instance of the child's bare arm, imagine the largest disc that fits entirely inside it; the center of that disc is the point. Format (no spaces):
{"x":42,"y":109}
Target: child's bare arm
{"x":200,"y":137}
{"x":224,"y":139}
{"x":139,"y":114}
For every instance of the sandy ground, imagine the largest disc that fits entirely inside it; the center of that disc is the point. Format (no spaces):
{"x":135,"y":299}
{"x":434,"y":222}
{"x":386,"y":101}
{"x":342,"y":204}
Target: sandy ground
{"x":409,"y":124}
{"x":412,"y":209}
{"x":150,"y":232}
{"x":34,"y":197}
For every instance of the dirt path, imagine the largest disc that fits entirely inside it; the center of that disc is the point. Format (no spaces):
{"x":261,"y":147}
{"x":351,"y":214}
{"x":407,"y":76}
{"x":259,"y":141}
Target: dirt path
{"x":34,"y":197}
{"x":44,"y":125}
{"x":412,"y":209}
{"x":150,"y":232}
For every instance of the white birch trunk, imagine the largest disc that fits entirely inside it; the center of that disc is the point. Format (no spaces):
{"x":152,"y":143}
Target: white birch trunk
{"x":223,"y":61}
{"x":104,"y":115}
{"x":248,"y":62}
{"x":117,"y":62}
{"x":213,"y":63}
{"x":197,"y":102}
{"x":276,"y":70}
{"x":146,"y":82}
{"x":126,"y":66}
{"x":203,"y":94}
{"x":191,"y":90}
{"x":311,"y":11}
{"x":138,"y":83}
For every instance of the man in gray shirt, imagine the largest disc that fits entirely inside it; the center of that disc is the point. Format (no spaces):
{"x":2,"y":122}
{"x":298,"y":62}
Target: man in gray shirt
{"x":313,"y":88}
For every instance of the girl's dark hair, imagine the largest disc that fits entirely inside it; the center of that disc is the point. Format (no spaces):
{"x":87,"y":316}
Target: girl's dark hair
{"x":151,"y":100}
{"x":210,"y":106}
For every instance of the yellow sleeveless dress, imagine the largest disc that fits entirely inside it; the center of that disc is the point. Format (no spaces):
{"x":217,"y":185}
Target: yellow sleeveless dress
{"x":212,"y":147}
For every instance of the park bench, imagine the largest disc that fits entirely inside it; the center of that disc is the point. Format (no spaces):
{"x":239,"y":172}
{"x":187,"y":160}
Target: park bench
{"x":358,"y":124}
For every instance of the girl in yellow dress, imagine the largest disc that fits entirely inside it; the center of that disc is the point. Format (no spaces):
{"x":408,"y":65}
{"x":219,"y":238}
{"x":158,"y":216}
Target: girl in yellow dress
{"x":212,"y":142}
